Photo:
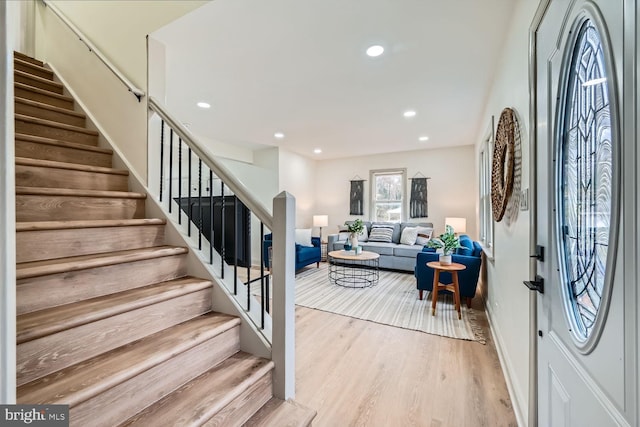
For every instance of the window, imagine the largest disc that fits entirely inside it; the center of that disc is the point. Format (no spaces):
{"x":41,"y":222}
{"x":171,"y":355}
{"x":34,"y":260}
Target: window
{"x":486,"y":218}
{"x":585,"y":185}
{"x":388,"y":195}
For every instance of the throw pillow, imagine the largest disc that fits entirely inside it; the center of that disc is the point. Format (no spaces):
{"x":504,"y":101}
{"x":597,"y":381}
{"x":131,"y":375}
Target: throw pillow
{"x":424,"y":235}
{"x":409,"y":236}
{"x":381,"y":233}
{"x":303,"y":237}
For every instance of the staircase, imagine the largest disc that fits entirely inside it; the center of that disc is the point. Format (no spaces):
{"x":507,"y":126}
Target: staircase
{"x":109,"y":321}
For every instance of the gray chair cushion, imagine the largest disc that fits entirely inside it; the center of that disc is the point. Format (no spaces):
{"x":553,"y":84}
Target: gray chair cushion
{"x":409,"y":251}
{"x":379,"y":247}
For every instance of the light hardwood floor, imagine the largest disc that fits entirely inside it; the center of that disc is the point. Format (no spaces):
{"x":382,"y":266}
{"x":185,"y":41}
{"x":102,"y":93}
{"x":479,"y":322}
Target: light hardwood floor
{"x":359,"y":373}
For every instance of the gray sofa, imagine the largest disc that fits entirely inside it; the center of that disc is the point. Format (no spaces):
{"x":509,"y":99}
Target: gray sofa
{"x":393,"y":256}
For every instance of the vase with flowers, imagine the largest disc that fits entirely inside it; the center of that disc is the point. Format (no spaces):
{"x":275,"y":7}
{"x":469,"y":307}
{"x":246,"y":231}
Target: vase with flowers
{"x":355,"y":228}
{"x":448,"y":242}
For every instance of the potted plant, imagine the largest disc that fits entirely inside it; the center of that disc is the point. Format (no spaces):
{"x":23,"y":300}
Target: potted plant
{"x":355,"y":228}
{"x":448,"y":242}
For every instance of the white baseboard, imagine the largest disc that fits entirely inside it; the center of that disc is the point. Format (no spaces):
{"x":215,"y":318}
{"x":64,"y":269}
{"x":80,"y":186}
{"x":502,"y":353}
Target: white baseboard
{"x":517,"y":401}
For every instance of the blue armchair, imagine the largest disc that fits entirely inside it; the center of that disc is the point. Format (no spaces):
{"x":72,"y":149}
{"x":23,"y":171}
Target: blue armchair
{"x":467,"y":279}
{"x":305,"y":255}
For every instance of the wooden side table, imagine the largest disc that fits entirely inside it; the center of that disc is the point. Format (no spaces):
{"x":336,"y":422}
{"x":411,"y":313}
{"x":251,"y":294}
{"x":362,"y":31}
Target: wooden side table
{"x":454,"y":287}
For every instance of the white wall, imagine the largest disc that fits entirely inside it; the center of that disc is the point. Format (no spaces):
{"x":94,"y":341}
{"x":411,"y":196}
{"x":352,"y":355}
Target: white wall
{"x":119,"y":30}
{"x":507,"y":297}
{"x":451,"y":189}
{"x":297,"y":175}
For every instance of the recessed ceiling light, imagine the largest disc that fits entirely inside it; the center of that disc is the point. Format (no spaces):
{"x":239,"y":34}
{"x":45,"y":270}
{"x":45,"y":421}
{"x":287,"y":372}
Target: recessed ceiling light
{"x":317,"y":150}
{"x":278,"y":135}
{"x":423,"y":138}
{"x":409,"y":113}
{"x":203,"y":104}
{"x":375,"y":50}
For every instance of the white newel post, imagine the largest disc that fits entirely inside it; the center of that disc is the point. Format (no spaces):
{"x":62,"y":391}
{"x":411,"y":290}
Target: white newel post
{"x":283,"y":308}
{"x":7,"y":214}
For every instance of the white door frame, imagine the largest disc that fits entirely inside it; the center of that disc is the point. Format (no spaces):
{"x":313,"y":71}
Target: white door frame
{"x":7,"y":214}
{"x":533,"y":217}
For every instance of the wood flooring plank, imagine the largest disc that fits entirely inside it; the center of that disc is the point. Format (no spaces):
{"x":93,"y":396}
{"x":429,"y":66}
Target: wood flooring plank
{"x":359,"y":373}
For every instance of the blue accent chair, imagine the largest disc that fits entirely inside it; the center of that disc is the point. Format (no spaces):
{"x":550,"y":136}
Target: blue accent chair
{"x":305,"y":255}
{"x":467,"y":279}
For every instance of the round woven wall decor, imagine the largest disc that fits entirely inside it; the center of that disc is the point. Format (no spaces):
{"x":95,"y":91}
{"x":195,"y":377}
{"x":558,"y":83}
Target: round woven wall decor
{"x":502,"y":165}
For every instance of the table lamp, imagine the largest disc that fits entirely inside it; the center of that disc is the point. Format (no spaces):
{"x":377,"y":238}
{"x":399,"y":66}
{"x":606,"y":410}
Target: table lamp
{"x":320,"y":221}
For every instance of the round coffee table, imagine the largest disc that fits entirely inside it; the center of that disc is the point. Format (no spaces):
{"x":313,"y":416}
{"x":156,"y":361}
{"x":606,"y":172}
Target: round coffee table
{"x":454,"y":287}
{"x":353,"y":271}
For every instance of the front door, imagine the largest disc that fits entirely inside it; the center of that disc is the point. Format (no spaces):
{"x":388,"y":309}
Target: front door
{"x":587,"y":332}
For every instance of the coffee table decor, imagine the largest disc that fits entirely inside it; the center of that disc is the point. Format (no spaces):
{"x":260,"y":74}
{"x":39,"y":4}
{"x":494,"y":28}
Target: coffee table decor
{"x":351,"y":270}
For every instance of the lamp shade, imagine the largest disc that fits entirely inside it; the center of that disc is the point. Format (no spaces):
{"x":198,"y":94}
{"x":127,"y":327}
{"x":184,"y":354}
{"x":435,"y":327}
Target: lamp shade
{"x":459,"y":224}
{"x":320,"y":220}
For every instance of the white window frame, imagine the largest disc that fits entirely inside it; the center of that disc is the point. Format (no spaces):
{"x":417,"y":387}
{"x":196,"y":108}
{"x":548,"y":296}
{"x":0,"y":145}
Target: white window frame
{"x":403,"y":202}
{"x":487,"y":236}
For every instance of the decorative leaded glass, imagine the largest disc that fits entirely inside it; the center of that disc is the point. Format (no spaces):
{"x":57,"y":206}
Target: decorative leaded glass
{"x":586,"y":181}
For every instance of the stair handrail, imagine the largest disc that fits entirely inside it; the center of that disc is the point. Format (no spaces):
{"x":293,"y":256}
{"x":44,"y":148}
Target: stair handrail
{"x":136,"y":91}
{"x":221,"y":171}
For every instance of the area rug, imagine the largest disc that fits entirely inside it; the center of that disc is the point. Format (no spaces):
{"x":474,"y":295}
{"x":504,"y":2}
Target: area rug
{"x":393,"y":301}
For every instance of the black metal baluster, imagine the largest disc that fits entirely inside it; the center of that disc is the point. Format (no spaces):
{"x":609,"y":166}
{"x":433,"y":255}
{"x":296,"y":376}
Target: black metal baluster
{"x":211,"y":217}
{"x":199,"y":203}
{"x":222,"y":245}
{"x":235,"y":249}
{"x":189,"y":198}
{"x":179,"y":180}
{"x":170,"y":165}
{"x":161,"y":156}
{"x":265,"y":302}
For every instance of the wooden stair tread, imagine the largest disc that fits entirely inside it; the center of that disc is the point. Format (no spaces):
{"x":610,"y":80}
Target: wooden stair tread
{"x":41,"y":191}
{"x":38,"y":79}
{"x":58,"y":125}
{"x":84,"y":380}
{"x":57,"y":142}
{"x":282,"y":413}
{"x":94,"y":223}
{"x":196,"y":402}
{"x":39,"y":68}
{"x":20,"y":100}
{"x":27,"y":58}
{"x":49,"y":321}
{"x":82,"y":262}
{"x":25,"y":161}
{"x":42,"y":91}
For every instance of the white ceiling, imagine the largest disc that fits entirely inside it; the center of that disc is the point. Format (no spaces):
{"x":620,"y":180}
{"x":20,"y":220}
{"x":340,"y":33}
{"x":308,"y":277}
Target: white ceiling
{"x":299,"y":67}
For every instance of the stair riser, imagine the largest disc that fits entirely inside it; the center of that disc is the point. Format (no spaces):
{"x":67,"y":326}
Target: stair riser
{"x":73,"y":286}
{"x":36,"y":150}
{"x":155,"y":383}
{"x":62,"y":208}
{"x":46,"y":114}
{"x":35,"y":82}
{"x":51,"y":244}
{"x":51,"y":353}
{"x":236,"y":413}
{"x":27,"y":58}
{"x":44,"y":98}
{"x":37,"y":176}
{"x":36,"y":71}
{"x":46,"y":131}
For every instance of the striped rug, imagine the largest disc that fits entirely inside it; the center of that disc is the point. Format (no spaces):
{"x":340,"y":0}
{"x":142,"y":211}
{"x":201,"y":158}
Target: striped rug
{"x":393,"y":301}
